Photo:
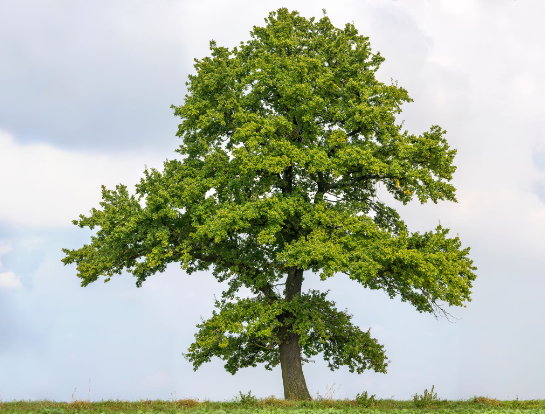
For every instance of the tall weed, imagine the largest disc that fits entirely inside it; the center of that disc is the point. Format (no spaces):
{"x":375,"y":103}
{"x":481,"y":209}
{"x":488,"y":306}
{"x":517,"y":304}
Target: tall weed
{"x":422,"y":401}
{"x":247,"y":399}
{"x":364,"y":401}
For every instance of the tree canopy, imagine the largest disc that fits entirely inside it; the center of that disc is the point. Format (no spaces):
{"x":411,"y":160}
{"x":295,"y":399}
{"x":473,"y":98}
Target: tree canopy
{"x":293,"y":133}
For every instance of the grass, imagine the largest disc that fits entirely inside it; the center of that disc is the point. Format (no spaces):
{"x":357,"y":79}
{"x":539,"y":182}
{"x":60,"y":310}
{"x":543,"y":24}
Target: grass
{"x":363,"y":403}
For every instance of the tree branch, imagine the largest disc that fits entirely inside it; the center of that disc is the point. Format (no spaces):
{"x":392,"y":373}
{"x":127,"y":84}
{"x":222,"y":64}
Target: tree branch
{"x":212,"y":258}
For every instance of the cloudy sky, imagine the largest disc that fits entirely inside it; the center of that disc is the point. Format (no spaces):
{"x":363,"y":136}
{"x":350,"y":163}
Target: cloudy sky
{"x":85,"y":95}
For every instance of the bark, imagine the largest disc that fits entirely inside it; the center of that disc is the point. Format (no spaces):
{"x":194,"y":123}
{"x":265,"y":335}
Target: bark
{"x":295,"y":386}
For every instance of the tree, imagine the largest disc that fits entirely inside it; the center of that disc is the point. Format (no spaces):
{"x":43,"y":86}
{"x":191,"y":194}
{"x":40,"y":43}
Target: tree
{"x":275,"y":126}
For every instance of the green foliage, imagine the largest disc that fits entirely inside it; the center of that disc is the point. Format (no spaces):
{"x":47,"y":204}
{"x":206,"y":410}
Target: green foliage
{"x":422,"y":401}
{"x":516,"y":403}
{"x":273,"y":126}
{"x":248,"y":399}
{"x":245,"y":333}
{"x":364,"y":401}
{"x":268,"y":405}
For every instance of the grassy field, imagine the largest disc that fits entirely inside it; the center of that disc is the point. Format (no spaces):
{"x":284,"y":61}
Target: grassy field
{"x":428,"y":402}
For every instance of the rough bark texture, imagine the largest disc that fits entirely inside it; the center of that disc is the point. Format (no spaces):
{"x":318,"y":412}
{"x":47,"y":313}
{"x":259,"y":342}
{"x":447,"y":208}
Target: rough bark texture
{"x":295,"y":386}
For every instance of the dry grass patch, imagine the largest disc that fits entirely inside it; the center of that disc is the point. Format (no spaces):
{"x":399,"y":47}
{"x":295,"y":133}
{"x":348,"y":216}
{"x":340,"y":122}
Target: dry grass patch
{"x":489,"y":401}
{"x":186,"y":403}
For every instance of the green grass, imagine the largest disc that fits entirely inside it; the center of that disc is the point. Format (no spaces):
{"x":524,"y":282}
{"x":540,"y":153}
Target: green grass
{"x":363,"y":403}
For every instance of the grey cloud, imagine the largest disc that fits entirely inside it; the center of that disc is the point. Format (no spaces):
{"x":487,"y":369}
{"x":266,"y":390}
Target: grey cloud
{"x":97,"y":77}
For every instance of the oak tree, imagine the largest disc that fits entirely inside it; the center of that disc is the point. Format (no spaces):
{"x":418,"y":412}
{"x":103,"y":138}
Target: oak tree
{"x":286,"y":138}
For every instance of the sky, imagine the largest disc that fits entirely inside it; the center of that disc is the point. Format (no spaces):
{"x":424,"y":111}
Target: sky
{"x":85,"y":96}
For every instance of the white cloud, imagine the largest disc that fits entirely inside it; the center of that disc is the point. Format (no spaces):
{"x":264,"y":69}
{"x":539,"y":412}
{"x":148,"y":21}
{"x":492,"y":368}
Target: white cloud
{"x":8,"y":280}
{"x":524,"y":85}
{"x":441,"y":60}
{"x":466,"y":11}
{"x":51,"y":187}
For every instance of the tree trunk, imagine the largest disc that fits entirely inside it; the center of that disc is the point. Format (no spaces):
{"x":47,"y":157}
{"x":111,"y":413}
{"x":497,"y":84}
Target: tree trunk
{"x":295,"y":386}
